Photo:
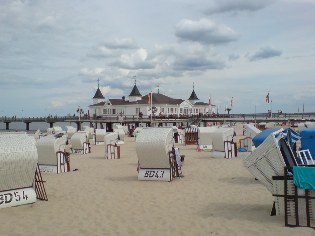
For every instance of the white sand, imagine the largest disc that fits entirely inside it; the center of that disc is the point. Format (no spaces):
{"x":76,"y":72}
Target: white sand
{"x":104,"y":197}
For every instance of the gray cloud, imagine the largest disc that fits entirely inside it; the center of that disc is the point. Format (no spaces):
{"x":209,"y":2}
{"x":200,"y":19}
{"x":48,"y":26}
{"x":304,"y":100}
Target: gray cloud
{"x":192,"y":63}
{"x":204,"y":31}
{"x":123,"y":43}
{"x":233,"y":56}
{"x":264,"y":53}
{"x":237,"y":5}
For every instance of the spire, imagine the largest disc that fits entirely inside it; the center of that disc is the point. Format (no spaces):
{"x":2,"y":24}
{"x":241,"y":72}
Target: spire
{"x":98,"y":93}
{"x":135,"y":91}
{"x":193,"y":95}
{"x":158,"y":86}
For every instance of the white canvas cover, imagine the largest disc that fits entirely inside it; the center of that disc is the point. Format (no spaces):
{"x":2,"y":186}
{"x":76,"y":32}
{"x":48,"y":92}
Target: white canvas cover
{"x":153,"y":146}
{"x":70,"y":131}
{"x":90,"y":131}
{"x":100,"y":135}
{"x":120,"y":135}
{"x":219,"y":136}
{"x":205,"y":135}
{"x":110,"y":138}
{"x":78,"y":139}
{"x":47,"y":147}
{"x":18,"y":161}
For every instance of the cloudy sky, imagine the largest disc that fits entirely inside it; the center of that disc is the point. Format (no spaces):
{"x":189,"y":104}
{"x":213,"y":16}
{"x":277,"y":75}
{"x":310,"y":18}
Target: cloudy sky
{"x":53,"y":51}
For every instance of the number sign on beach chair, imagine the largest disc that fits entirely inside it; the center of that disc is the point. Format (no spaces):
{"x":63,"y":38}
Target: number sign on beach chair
{"x":156,"y":156}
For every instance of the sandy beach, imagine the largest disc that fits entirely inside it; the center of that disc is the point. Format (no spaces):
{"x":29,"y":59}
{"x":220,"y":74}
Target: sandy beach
{"x":104,"y":197}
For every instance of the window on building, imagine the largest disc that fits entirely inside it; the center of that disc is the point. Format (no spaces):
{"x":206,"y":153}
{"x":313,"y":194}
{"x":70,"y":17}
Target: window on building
{"x":181,"y":110}
{"x":114,"y":111}
{"x":104,"y":111}
{"x":137,"y":111}
{"x":162,"y":109}
{"x":172,"y":110}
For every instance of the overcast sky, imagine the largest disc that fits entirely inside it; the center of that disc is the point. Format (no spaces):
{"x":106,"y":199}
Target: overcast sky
{"x":53,"y":51}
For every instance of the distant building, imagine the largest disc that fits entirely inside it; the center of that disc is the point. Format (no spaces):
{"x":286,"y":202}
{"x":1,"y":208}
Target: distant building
{"x":138,"y":105}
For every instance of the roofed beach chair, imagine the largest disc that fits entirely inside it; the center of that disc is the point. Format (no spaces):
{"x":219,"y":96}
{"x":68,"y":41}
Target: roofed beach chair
{"x":270,"y":158}
{"x":70,"y":131}
{"x":52,"y":157}
{"x":249,"y":130}
{"x":156,"y":155}
{"x":99,"y":136}
{"x":222,"y":143}
{"x":90,"y":132}
{"x":112,"y":149}
{"x":18,"y":162}
{"x":191,"y":136}
{"x":205,"y":135}
{"x":79,"y":143}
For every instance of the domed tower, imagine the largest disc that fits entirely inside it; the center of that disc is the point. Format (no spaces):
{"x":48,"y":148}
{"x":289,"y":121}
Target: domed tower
{"x":193,"y":97}
{"x":98,"y":97}
{"x":135,"y":95}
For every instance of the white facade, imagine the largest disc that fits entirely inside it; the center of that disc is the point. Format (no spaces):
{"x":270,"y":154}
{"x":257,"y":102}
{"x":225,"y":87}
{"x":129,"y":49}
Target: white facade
{"x":136,"y":105}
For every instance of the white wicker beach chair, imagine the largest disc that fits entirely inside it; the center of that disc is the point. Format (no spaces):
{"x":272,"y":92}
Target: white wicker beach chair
{"x":90,"y":132}
{"x":99,"y":136}
{"x":18,"y":161}
{"x":205,"y":135}
{"x":266,"y":161}
{"x":154,"y":147}
{"x":221,"y":135}
{"x":249,"y":130}
{"x":112,"y":150}
{"x":70,"y":131}
{"x":79,"y":143}
{"x":52,"y":157}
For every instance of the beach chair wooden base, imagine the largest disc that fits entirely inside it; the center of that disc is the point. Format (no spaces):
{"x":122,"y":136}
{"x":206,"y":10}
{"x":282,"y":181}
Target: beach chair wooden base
{"x":297,"y":205}
{"x":112,"y":151}
{"x":39,"y":185}
{"x":230,"y":149}
{"x":86,"y":149}
{"x":63,"y":164}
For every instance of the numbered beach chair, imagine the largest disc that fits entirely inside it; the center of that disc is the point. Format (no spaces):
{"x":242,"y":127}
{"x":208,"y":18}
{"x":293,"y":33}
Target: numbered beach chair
{"x":205,"y":135}
{"x":156,"y":156}
{"x":18,"y":162}
{"x":52,"y":157}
